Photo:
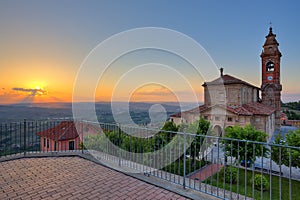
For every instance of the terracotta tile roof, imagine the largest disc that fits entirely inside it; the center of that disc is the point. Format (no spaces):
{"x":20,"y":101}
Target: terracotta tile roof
{"x":249,"y":109}
{"x":227,"y":80}
{"x":259,"y":108}
{"x":237,"y":110}
{"x":245,"y":110}
{"x":283,"y":115}
{"x":177,"y":115}
{"x":66,"y":130}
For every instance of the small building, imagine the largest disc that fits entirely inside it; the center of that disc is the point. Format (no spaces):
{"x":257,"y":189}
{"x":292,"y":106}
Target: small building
{"x":61,"y":137}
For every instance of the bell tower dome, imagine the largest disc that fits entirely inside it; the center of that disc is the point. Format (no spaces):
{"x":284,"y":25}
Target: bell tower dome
{"x":271,"y":87}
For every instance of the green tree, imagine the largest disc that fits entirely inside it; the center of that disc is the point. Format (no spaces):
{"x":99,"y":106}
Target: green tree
{"x":242,"y":148}
{"x":170,"y":126}
{"x":168,"y":131}
{"x":201,"y":128}
{"x":95,"y":142}
{"x":292,"y":115}
{"x":282,"y":154}
{"x":292,"y":105}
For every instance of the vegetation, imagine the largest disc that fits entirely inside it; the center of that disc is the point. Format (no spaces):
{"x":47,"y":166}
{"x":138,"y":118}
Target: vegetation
{"x":260,"y":182}
{"x":291,"y":115}
{"x":292,"y":110}
{"x":291,"y":105}
{"x":176,"y":167}
{"x":244,"y":185}
{"x":230,"y":174}
{"x":242,"y":149}
{"x":200,"y":128}
{"x":169,"y":126}
{"x":128,"y":142}
{"x":282,"y":155}
{"x":155,"y":142}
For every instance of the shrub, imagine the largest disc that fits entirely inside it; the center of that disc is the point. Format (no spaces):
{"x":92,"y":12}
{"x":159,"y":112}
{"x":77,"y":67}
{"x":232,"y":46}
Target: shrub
{"x":261,"y":182}
{"x":230,"y":174}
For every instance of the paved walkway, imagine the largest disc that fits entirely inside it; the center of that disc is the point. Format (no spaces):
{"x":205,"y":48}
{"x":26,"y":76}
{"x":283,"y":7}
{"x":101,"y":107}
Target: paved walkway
{"x":206,"y":172}
{"x":71,"y":178}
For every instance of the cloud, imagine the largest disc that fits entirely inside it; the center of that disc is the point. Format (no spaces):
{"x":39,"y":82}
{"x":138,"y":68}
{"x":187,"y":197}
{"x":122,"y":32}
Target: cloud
{"x":158,"y":91}
{"x":34,"y":92}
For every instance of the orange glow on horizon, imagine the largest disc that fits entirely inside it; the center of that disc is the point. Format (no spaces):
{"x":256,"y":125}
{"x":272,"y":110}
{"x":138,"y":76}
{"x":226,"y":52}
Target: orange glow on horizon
{"x":153,"y":93}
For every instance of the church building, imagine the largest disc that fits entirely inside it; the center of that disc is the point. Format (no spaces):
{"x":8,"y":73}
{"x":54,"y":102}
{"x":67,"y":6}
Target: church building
{"x":229,"y":101}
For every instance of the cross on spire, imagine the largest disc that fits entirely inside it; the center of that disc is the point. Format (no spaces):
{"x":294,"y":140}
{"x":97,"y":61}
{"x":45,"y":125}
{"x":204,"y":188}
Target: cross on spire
{"x":270,"y":29}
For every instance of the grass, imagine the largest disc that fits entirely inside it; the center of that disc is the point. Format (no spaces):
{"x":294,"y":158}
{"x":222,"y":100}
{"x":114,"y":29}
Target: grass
{"x":177,"y":166}
{"x":245,"y":187}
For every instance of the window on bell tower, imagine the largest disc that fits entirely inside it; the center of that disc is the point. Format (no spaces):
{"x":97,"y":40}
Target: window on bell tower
{"x":270,"y":66}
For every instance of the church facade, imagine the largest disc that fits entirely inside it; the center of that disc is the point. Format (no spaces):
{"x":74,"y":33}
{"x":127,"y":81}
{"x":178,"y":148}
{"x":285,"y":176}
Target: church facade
{"x":229,"y":101}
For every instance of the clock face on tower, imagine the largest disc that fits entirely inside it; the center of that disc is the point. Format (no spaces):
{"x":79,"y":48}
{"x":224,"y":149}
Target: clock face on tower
{"x":270,"y":78}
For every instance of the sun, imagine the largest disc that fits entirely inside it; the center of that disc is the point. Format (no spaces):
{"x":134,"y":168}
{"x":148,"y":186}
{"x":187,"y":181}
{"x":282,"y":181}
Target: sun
{"x":38,"y":88}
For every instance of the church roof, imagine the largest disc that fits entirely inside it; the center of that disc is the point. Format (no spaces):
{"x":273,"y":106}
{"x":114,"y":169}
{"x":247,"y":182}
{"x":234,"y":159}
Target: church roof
{"x":238,"y":110}
{"x":258,"y":108}
{"x":248,"y":109}
{"x":227,"y":80}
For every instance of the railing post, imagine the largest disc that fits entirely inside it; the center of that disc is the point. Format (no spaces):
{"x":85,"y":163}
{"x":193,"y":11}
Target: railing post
{"x":184,"y":158}
{"x":25,"y":130}
{"x":119,"y":143}
{"x":82,"y":144}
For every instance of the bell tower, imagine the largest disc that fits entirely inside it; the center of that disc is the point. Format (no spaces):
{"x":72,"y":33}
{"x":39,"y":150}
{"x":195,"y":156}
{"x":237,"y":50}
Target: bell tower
{"x":271,"y":87}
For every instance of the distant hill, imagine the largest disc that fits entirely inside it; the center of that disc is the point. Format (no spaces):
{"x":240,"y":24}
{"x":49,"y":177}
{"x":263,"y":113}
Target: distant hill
{"x":291,"y":109}
{"x":291,"y":105}
{"x":139,"y":111}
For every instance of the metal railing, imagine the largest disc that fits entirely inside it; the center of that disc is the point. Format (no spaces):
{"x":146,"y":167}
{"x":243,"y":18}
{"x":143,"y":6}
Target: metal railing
{"x":223,"y":167}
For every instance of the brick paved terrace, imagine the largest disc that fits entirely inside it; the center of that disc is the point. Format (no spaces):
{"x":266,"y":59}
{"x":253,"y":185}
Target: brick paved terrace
{"x":72,"y":178}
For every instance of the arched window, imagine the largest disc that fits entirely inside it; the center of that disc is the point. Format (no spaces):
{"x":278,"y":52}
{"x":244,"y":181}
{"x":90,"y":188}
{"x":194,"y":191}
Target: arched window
{"x":218,"y":130}
{"x":270,"y":66}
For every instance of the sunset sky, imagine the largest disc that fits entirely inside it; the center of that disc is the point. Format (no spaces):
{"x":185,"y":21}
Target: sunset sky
{"x":44,"y":43}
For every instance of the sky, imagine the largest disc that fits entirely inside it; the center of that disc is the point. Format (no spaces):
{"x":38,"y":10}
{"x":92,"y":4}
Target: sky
{"x":45,"y":44}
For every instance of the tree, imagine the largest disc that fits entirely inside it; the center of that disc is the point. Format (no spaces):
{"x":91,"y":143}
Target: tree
{"x":282,"y":154}
{"x":170,"y":126}
{"x":240,"y":146}
{"x":291,"y":115}
{"x":167,"y":130}
{"x":200,"y":128}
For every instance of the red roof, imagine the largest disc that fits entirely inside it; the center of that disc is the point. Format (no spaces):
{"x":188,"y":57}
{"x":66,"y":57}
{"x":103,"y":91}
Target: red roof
{"x":283,"y":115}
{"x":245,"y":110}
{"x":227,"y":80}
{"x":238,"y":110}
{"x":66,"y":130}
{"x":178,"y":115}
{"x":259,"y":108}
